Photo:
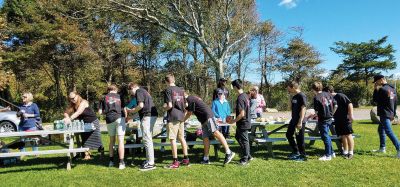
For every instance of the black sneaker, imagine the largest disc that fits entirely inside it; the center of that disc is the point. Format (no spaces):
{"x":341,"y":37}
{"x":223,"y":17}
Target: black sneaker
{"x":229,"y":157}
{"x":300,"y":158}
{"x":349,"y":156}
{"x":243,"y":163}
{"x":147,"y":167}
{"x":206,"y":162}
{"x":293,"y":156}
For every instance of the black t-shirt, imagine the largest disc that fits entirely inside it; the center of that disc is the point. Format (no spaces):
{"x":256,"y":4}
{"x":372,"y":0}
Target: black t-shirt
{"x":243,"y":103}
{"x":88,"y":115}
{"x":175,"y":95}
{"x":199,"y":109}
{"x":324,"y":105}
{"x":148,"y":106}
{"x":111,"y":106}
{"x":298,"y":100}
{"x":386,"y":99}
{"x":215,"y":93}
{"x":342,"y":111}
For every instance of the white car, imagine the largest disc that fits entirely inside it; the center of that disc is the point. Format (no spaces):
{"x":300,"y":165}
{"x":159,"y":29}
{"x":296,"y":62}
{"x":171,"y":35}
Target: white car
{"x":8,"y":121}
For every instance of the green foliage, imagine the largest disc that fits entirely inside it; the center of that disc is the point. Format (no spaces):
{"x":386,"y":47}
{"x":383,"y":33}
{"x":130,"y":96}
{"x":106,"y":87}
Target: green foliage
{"x":363,"y":60}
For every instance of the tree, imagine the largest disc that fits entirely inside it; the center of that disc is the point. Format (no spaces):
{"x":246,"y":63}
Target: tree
{"x":298,"y":60}
{"x":363,"y":60}
{"x":217,"y":26}
{"x":267,"y":38}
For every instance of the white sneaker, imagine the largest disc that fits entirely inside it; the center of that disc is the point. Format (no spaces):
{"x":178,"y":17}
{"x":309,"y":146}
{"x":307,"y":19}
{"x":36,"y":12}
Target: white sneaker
{"x":121,"y":166}
{"x":111,"y":164}
{"x":333,"y":155}
{"x":325,"y":158}
{"x":380,"y":150}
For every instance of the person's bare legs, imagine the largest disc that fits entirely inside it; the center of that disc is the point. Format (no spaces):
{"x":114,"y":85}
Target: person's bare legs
{"x":222,"y":140}
{"x":174,"y":148}
{"x":350,"y":142}
{"x":111,"y":146}
{"x":184,"y":145}
{"x":121,"y":148}
{"x":206,"y":142}
{"x":344,"y":144}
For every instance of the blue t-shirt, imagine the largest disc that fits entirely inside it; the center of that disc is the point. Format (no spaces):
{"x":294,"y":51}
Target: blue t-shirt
{"x":31,"y":121}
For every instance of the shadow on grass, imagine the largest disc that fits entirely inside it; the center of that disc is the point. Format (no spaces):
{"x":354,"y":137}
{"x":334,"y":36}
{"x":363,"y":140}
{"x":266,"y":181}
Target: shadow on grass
{"x":367,"y":123}
{"x":61,"y":164}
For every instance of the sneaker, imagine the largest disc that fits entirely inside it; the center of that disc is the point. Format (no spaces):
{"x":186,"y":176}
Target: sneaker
{"x":121,"y":165}
{"x":333,"y":155}
{"x":293,"y":156}
{"x":185,"y":162}
{"x":111,"y":164}
{"x":229,"y":157}
{"x":349,"y":156}
{"x":300,"y":158}
{"x":173,"y":165}
{"x":206,"y":162}
{"x":325,"y":158}
{"x":147,"y":167}
{"x":243,"y":163}
{"x":380,"y":150}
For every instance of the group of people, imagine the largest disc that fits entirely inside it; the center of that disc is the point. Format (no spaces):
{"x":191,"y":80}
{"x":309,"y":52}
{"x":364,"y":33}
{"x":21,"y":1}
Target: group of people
{"x":331,"y":109}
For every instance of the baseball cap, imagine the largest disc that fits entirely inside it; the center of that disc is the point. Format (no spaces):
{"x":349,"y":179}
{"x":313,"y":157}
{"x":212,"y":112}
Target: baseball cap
{"x":377,"y":77}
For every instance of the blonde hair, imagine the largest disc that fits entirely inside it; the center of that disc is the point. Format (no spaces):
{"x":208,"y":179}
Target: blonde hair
{"x":28,"y":96}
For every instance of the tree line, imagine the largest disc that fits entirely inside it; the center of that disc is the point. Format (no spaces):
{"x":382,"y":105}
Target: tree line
{"x":50,"y":47}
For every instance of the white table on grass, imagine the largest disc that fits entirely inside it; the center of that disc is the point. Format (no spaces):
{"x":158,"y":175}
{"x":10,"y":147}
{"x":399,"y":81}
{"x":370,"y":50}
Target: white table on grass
{"x":69,"y":134}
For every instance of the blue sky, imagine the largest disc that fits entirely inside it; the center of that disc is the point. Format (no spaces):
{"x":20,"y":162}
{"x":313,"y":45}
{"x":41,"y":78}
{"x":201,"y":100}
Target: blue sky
{"x":327,"y":21}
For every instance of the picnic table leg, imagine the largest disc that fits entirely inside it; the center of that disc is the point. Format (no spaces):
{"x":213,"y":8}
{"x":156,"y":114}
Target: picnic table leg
{"x":269,"y":149}
{"x":70,"y":139}
{"x":216,"y":149}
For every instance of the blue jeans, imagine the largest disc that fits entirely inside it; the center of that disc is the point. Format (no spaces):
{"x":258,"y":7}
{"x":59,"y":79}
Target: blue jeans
{"x":385,"y":128}
{"x":324,"y":131}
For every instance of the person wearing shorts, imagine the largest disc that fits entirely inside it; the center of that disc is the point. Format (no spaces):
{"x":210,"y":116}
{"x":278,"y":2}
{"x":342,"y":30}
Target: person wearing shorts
{"x":111,"y":107}
{"x":174,"y":104}
{"x":343,"y":117}
{"x":209,"y":126}
{"x":148,"y":116}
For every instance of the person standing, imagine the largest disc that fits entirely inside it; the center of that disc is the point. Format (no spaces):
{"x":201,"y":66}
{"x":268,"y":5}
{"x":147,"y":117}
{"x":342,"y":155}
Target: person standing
{"x":385,"y":97}
{"x":260,"y":102}
{"x":221,"y":86}
{"x":174,"y":104}
{"x":209,"y":126}
{"x":324,"y":106}
{"x":148,"y":116}
{"x":30,"y":115}
{"x":343,"y":118}
{"x":111,"y":107}
{"x":242,"y":121}
{"x":79,"y":109}
{"x":221,"y":110}
{"x":297,"y":123}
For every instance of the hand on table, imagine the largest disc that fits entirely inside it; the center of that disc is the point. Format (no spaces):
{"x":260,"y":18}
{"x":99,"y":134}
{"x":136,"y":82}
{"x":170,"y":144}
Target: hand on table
{"x":67,"y":120}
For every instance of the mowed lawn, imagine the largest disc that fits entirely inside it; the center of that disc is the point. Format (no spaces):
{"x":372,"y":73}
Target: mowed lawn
{"x":366,"y":169}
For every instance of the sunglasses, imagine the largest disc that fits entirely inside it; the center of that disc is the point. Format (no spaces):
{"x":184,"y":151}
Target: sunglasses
{"x":72,"y":98}
{"x":24,"y":97}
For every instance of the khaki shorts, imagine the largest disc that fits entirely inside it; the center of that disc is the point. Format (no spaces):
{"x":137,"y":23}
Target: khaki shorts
{"x":175,"y":130}
{"x":117,"y":127}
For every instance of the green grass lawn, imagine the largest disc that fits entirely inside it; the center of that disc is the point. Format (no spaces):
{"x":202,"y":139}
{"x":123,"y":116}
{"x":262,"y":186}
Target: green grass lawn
{"x":366,"y":169}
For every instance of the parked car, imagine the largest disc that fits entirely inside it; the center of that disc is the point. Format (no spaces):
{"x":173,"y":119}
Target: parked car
{"x":8,"y":121}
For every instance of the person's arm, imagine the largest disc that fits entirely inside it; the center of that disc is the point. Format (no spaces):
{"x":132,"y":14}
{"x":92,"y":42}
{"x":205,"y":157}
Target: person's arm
{"x":302,"y":114}
{"x":78,"y":112}
{"x":36,"y":112}
{"x":214,"y":109}
{"x":187,"y":116}
{"x":335,"y":105}
{"x":137,"y":108}
{"x":350,"y":109}
{"x":262,"y":103}
{"x":239,"y":117}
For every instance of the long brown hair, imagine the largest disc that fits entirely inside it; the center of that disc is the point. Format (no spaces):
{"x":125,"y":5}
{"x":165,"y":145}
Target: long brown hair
{"x":73,"y":106}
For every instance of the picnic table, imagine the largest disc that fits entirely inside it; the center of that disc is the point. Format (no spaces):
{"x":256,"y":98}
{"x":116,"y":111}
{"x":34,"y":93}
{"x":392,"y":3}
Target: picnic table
{"x":259,"y":134}
{"x":189,"y":126}
{"x":69,"y":148}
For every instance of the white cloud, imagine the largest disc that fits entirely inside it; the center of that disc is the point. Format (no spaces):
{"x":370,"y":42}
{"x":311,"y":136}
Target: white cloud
{"x":288,"y":3}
